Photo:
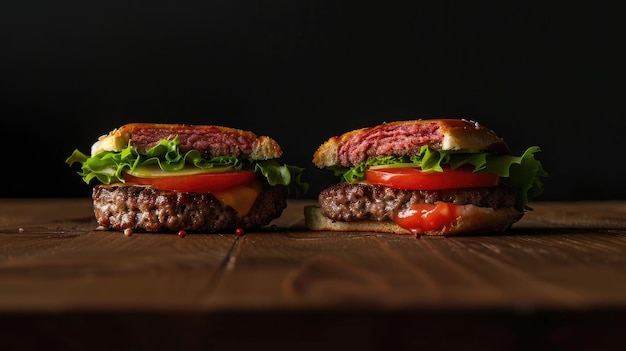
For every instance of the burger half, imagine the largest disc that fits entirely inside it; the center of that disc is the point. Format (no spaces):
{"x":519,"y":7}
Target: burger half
{"x":169,"y":177}
{"x":424,"y":177}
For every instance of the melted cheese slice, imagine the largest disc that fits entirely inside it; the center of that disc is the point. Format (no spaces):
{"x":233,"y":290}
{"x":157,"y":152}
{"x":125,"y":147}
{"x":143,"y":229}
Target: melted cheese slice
{"x":241,"y":198}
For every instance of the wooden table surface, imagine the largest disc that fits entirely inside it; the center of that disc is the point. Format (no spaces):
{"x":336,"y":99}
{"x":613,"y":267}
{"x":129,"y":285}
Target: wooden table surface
{"x":557,"y":279}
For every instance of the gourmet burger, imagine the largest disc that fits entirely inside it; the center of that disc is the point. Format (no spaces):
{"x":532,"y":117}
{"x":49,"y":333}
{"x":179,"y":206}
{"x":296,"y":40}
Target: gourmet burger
{"x":425,"y":177}
{"x":170,"y":177}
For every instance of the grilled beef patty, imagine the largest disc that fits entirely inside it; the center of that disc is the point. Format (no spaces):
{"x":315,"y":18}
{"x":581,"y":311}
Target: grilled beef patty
{"x":360,"y":201}
{"x":147,"y":209}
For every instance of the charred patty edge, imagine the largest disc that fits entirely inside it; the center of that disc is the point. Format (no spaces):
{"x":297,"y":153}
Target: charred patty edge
{"x":362,"y":201}
{"x":145,"y":209}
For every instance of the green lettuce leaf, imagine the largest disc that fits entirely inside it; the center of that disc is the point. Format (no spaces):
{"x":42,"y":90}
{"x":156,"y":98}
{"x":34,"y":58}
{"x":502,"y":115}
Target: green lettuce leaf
{"x":284,"y":175}
{"x":522,"y":173}
{"x":109,"y":166}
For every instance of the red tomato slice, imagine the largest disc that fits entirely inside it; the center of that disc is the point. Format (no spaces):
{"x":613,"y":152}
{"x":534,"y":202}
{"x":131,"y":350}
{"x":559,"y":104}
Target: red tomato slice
{"x":196,"y":183}
{"x":416,"y":179}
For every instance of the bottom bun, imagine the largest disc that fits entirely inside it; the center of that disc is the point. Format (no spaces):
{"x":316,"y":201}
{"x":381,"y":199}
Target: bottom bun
{"x":471,"y":220}
{"x":145,"y":209}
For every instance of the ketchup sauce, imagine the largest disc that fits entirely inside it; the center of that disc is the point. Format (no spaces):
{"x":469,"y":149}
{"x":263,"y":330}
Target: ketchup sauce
{"x":420,"y":218}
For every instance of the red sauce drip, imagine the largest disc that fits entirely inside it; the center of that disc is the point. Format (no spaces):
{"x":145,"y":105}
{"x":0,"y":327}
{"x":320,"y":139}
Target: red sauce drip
{"x":421,"y":218}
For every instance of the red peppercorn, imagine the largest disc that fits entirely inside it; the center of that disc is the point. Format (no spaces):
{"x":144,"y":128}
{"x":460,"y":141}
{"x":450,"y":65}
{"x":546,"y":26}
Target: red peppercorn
{"x":239,"y":231}
{"x":182,"y":233}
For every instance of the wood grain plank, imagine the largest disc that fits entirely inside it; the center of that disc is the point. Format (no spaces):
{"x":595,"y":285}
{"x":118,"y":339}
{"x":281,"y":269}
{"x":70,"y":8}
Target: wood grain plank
{"x":57,"y":261}
{"x":109,"y":270}
{"x":556,"y":279}
{"x":581,"y":268}
{"x":390,"y":270}
{"x":305,"y":269}
{"x":606,"y":215}
{"x":17,"y":212}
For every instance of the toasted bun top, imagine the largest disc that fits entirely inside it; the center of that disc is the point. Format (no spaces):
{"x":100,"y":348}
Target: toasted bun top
{"x":210,"y":140}
{"x":405,"y":138}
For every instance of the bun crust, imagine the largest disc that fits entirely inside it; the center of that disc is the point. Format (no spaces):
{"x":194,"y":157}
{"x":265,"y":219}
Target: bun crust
{"x":401,"y":138}
{"x":208,"y":139}
{"x":471,"y":220}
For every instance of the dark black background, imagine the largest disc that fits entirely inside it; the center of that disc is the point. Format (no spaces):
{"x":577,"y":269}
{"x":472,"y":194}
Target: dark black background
{"x":301,"y":71}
